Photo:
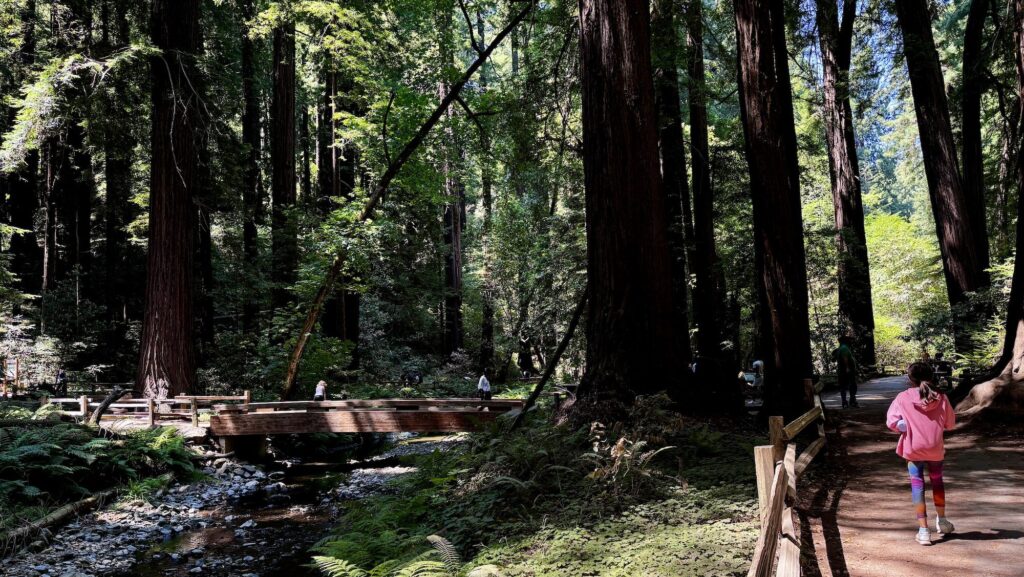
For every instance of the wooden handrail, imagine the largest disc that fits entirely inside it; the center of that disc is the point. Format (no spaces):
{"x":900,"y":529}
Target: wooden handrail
{"x":777,"y":519}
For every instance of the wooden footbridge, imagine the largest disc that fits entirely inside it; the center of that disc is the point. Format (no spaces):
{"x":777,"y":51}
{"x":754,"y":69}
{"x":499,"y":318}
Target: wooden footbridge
{"x":237,"y":416}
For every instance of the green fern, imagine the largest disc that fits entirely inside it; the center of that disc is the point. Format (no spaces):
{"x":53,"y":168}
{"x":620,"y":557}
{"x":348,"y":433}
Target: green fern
{"x":425,"y":569}
{"x":450,"y":556}
{"x":333,"y":567}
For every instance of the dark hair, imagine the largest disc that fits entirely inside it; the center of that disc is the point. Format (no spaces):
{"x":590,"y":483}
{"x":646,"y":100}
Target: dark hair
{"x":845,"y":340}
{"x":922,"y":375}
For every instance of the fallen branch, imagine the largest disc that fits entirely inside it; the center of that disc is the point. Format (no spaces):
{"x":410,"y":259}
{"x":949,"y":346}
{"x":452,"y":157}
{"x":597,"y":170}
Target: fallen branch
{"x":10,"y":541}
{"x":552,"y":362}
{"x":114,"y":395}
{"x":378,"y":193}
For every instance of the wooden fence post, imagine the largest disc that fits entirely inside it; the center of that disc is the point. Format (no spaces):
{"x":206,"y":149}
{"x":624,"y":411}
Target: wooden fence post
{"x":247,"y":394}
{"x":777,"y":437}
{"x":151,"y":412}
{"x":195,"y":412}
{"x":83,"y":405}
{"x":764,"y":467}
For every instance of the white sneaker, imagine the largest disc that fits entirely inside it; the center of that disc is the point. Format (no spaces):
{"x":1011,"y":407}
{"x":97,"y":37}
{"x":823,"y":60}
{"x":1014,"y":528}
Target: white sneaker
{"x":923,"y":536}
{"x":942,"y":525}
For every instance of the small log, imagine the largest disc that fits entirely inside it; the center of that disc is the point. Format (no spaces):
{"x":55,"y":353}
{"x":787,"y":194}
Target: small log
{"x":9,"y":542}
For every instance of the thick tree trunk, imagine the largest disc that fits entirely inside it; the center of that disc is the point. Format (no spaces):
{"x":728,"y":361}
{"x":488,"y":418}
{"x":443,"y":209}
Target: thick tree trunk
{"x":1003,"y":236}
{"x":251,"y":189}
{"x":166,"y":357}
{"x":962,"y":259}
{"x":856,"y":316}
{"x":633,"y":345}
{"x":673,"y":154}
{"x":767,"y":111}
{"x":455,"y":198}
{"x":282,"y":159}
{"x":974,"y":83}
{"x":1005,"y":389}
{"x":708,"y":303}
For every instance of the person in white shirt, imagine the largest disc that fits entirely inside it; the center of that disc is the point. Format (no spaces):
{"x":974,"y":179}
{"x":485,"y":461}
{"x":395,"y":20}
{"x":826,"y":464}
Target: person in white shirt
{"x":321,"y":391}
{"x":483,"y":387}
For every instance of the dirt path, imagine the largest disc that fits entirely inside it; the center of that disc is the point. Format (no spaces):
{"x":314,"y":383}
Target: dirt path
{"x":858,"y":511}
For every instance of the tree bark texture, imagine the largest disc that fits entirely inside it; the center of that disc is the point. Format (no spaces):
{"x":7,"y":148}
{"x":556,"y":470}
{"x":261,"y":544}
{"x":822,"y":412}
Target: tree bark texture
{"x":767,"y":112}
{"x":974,"y":83}
{"x":664,"y":58}
{"x":708,"y":305}
{"x":251,"y":187}
{"x":856,"y":315}
{"x":487,"y":195}
{"x":963,"y":263}
{"x":166,"y":357}
{"x":284,"y":243}
{"x":455,"y":199}
{"x":633,"y":345}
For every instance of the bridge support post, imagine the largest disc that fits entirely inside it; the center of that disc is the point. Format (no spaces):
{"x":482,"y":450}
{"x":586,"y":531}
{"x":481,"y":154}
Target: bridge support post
{"x":245,"y":447}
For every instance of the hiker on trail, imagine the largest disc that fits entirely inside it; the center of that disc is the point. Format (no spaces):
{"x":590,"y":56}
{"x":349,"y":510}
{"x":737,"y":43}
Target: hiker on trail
{"x":483,"y":387}
{"x":921,"y":414}
{"x":321,"y":391}
{"x":846,"y":371}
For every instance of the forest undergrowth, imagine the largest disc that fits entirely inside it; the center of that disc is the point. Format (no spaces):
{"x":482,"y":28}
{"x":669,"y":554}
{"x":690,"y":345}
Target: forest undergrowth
{"x":666,"y":495}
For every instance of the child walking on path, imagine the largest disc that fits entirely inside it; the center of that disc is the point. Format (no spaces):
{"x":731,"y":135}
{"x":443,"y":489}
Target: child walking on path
{"x":921,"y":415}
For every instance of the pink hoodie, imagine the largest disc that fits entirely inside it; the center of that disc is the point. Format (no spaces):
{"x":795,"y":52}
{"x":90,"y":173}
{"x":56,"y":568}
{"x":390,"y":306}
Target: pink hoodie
{"x":925,"y":424}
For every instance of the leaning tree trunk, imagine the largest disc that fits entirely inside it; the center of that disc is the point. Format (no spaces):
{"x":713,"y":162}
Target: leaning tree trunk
{"x":633,"y":345}
{"x":766,"y":105}
{"x":166,"y":356}
{"x":284,"y":244}
{"x":1005,"y":389}
{"x":856,"y":315}
{"x":673,"y":153}
{"x":974,"y":65}
{"x":962,"y":258}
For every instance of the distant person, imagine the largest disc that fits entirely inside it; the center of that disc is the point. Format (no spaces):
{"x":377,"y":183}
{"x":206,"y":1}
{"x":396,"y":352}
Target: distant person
{"x":61,"y":385}
{"x":926,"y":358}
{"x":921,"y":414}
{"x":846,"y":371}
{"x":758,"y":366}
{"x":321,"y":391}
{"x":483,"y":387}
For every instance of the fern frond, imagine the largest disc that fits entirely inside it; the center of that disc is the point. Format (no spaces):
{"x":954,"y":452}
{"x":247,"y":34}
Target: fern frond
{"x":424,"y":569}
{"x":449,"y":554}
{"x":337,"y":567}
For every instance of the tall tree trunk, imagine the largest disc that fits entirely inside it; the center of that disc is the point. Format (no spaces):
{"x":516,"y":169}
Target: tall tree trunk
{"x":708,"y":304}
{"x":766,"y":106}
{"x":486,"y":192}
{"x":856,"y":315}
{"x":251,"y":188}
{"x":282,"y":159}
{"x":1009,"y":150}
{"x":962,"y":260}
{"x":454,"y":195}
{"x":974,"y":64}
{"x":673,"y":153}
{"x":633,"y":345}
{"x":1005,"y":389}
{"x":166,"y":356}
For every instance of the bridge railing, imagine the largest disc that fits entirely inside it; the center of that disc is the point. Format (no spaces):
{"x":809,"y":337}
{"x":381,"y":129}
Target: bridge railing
{"x":180,"y":408}
{"x":778,"y":470}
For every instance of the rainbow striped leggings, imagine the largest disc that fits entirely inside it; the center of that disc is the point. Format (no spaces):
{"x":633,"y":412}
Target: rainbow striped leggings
{"x":916,"y":469}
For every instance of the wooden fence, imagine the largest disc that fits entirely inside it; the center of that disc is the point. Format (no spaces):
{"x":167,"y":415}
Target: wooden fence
{"x":778,"y":470}
{"x":151,"y":411}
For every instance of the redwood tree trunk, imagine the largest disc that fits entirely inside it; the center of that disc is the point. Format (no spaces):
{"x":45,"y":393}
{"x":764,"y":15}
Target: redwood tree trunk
{"x":708,"y":304}
{"x":856,"y":316}
{"x":673,"y":153}
{"x":454,"y":211}
{"x":486,"y":185}
{"x":962,"y":259}
{"x":974,"y":83}
{"x":633,"y":345}
{"x":166,"y":356}
{"x":767,"y":112}
{"x":251,"y":190}
{"x":282,"y":158}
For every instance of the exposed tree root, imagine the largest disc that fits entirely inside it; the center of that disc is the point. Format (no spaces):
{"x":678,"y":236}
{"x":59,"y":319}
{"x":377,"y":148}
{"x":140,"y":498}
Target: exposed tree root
{"x":1004,"y":393}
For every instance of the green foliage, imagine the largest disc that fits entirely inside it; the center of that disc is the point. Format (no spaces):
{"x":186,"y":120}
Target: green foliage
{"x":57,"y":463}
